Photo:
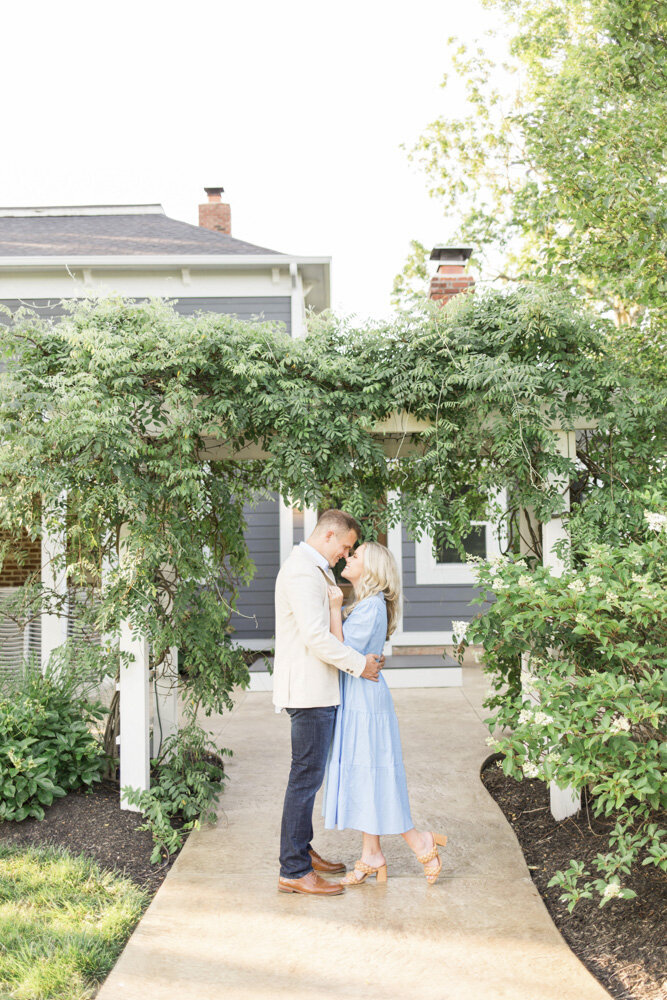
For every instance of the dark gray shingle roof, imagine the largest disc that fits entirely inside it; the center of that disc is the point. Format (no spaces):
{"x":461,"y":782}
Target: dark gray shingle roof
{"x":113,"y":235}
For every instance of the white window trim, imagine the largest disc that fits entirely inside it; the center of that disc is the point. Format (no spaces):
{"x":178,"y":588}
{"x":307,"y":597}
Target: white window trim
{"x":429,"y":571}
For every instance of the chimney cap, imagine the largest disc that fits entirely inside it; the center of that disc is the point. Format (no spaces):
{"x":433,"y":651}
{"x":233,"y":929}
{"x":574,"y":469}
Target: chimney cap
{"x":214,"y":193}
{"x":452,"y":254}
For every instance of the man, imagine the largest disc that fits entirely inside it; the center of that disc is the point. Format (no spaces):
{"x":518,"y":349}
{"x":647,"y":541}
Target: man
{"x":306,"y":683}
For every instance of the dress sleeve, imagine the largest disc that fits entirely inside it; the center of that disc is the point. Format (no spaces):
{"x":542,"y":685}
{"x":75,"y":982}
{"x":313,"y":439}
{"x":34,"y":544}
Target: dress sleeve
{"x":359,"y":627}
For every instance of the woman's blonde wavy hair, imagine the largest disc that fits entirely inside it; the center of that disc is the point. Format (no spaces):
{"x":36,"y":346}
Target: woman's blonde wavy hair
{"x":380,"y":576}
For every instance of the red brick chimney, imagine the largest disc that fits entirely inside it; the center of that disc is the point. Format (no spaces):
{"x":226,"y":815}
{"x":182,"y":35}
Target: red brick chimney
{"x":214,"y":214}
{"x":450,"y":278}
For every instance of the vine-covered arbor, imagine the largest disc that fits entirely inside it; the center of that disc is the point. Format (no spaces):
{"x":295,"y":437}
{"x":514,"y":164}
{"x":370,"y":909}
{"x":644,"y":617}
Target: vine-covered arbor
{"x":133,"y":437}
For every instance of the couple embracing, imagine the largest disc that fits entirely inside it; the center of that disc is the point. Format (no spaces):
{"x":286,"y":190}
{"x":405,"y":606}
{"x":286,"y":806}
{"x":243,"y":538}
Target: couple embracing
{"x":344,"y":728}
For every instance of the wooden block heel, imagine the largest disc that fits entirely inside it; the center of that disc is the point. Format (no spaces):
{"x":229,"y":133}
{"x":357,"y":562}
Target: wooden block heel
{"x":439,"y":840}
{"x":362,"y":871}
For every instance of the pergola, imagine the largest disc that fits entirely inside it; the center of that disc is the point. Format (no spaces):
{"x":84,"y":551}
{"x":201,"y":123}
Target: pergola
{"x":399,"y":434}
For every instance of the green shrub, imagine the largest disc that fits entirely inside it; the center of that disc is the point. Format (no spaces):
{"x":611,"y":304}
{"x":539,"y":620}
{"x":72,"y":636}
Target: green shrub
{"x":46,"y":744}
{"x":186,"y":786}
{"x":589,"y":710}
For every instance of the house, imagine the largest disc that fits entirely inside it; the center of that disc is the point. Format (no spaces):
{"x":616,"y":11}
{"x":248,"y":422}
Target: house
{"x":51,"y":254}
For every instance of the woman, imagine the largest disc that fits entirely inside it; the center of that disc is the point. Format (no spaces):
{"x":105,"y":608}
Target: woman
{"x":365,"y":787}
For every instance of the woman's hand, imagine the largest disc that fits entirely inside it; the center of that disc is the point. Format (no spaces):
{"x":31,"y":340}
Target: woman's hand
{"x":335,"y":598}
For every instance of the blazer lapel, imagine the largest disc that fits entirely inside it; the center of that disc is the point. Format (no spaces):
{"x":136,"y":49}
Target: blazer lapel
{"x":330,"y":579}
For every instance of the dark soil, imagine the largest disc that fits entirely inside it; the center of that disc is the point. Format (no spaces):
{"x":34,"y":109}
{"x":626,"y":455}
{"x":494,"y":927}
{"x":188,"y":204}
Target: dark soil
{"x":93,"y":823}
{"x":624,"y":943}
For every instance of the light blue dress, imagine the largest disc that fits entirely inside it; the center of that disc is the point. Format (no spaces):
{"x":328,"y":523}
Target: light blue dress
{"x":364,"y":786}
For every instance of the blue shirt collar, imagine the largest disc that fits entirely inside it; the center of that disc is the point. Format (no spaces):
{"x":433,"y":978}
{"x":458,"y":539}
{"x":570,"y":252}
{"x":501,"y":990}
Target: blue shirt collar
{"x":316,"y":556}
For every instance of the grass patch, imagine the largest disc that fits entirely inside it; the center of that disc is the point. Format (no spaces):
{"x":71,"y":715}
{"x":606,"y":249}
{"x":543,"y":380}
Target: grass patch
{"x":63,"y":923}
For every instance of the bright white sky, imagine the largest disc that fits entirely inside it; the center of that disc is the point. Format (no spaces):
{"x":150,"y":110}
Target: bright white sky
{"x":298,"y":109}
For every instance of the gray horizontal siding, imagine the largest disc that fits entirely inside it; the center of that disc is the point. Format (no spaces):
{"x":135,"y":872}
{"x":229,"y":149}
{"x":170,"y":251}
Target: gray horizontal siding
{"x":257,"y":600}
{"x":432,"y":607}
{"x":274,"y":308}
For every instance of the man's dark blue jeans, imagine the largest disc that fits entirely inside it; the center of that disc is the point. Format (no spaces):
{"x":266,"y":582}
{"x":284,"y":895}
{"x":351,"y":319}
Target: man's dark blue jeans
{"x":312,"y":729}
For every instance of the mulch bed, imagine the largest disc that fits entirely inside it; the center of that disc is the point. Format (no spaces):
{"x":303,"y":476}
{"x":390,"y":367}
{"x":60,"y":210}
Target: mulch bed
{"x":93,"y":823}
{"x":622,"y":944}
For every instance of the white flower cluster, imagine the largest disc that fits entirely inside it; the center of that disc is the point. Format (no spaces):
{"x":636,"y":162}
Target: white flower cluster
{"x":578,"y":586}
{"x":542,"y":719}
{"x":530,"y":770}
{"x":496,"y":563}
{"x":498,"y":585}
{"x":611,"y":890}
{"x":491,"y":741}
{"x":526,"y":581}
{"x":552,"y":757}
{"x":580,"y":618}
{"x":594,"y":580}
{"x":656,"y":522}
{"x":619,"y":725}
{"x":613,"y":597}
{"x":538,"y":663}
{"x":644,"y":585}
{"x":459,"y":630}
{"x":525,"y":715}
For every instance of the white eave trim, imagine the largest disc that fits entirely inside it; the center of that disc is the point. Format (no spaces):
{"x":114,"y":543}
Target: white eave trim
{"x":156,"y":262}
{"x":50,"y":211}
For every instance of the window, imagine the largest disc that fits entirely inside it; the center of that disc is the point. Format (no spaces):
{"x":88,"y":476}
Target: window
{"x":445,"y":565}
{"x":474,"y":545}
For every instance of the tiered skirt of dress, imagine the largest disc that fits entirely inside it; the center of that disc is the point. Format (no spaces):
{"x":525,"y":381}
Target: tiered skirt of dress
{"x":365,"y":786}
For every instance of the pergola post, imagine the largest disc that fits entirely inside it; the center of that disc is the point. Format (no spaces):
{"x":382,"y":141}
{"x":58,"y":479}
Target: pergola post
{"x":564,"y":802}
{"x":134,"y":706}
{"x":134,"y":714}
{"x":54,"y":579}
{"x":165,"y":720}
{"x":165,"y":684}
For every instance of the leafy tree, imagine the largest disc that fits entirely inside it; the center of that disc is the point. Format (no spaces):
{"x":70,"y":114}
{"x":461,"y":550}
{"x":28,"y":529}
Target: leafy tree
{"x":556,"y":170}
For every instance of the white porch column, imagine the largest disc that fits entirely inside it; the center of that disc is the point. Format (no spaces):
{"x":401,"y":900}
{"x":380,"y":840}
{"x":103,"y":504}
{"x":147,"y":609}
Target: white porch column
{"x":564,"y":802}
{"x":298,"y":307}
{"x":309,"y":521}
{"x":553,"y":531}
{"x":286,"y":529}
{"x":134,"y":714}
{"x":54,"y":578}
{"x":395,"y":546}
{"x":165,"y":720}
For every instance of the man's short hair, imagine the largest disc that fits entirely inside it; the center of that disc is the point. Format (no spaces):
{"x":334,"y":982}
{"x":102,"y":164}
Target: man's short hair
{"x":338,"y":521}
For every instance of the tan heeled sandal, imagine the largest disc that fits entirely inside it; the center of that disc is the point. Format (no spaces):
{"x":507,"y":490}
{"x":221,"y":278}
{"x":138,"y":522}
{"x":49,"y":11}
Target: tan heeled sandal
{"x":439,"y":840}
{"x":364,"y":871}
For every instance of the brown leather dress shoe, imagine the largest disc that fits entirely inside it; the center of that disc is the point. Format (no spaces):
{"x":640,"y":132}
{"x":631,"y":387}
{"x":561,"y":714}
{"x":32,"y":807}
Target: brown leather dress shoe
{"x":310,"y":885}
{"x":326,"y":867}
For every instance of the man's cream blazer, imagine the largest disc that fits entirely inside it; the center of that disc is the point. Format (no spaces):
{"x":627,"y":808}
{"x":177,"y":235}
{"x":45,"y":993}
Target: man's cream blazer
{"x":308,"y":657}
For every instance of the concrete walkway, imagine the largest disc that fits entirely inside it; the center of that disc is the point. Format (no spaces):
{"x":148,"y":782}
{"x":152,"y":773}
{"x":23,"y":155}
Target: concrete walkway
{"x":218,"y":928}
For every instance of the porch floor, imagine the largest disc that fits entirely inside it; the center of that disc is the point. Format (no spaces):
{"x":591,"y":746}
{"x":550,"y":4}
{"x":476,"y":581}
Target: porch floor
{"x":218,"y":927}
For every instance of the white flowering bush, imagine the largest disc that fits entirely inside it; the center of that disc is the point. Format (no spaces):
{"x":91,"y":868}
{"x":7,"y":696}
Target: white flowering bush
{"x":579,"y":668}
